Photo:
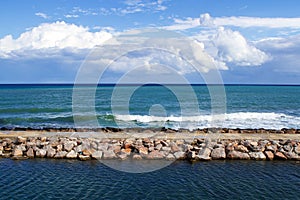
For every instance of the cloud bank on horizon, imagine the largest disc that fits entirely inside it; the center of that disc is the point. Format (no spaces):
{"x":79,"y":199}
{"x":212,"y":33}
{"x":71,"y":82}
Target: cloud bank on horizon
{"x":246,"y":49}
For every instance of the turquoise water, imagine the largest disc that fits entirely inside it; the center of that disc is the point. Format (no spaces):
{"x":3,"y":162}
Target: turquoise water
{"x":64,"y":179}
{"x":39,"y":106}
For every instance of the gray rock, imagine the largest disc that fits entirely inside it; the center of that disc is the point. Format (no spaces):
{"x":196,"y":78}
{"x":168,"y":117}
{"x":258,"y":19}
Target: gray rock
{"x":51,"y":152}
{"x":102,"y":146}
{"x":257,"y":156}
{"x":166,"y":148}
{"x":40,"y":153}
{"x":155,"y":155}
{"x":97,"y":154}
{"x":109,"y":154}
{"x":238,"y":155}
{"x":204,"y":154}
{"x":292,"y":155}
{"x":218,"y":153}
{"x":170,"y":157}
{"x":180,"y":155}
{"x":68,"y":146}
{"x":60,"y":154}
{"x":158,"y":147}
{"x":72,"y":154}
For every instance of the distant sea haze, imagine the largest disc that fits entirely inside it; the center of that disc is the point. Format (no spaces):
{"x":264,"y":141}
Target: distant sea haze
{"x":151,"y":106}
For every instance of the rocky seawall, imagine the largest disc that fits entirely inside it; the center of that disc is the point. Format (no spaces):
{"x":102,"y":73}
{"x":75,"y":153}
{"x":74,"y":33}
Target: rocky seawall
{"x":198,"y":149}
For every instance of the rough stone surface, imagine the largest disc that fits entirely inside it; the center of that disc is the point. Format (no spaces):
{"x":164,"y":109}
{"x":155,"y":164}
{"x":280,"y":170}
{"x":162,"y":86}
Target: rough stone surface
{"x":51,"y":152}
{"x":155,"y":155}
{"x":204,"y":154}
{"x":109,"y":154}
{"x":269,"y":155}
{"x":180,"y":155}
{"x":30,"y":153}
{"x":257,"y":156}
{"x":40,"y":153}
{"x":72,"y":154}
{"x":218,"y":153}
{"x":280,"y":156}
{"x":97,"y":154}
{"x":237,"y":155}
{"x":60,"y":154}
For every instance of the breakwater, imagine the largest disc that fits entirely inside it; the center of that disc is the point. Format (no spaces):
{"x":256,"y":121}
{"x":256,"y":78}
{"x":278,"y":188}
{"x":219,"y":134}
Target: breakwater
{"x":192,"y":148}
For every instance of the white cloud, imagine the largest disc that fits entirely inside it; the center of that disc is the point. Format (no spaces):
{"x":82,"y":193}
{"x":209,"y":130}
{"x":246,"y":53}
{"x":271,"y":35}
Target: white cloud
{"x":233,"y":48}
{"x":51,"y":38}
{"x":71,"y":16}
{"x":239,"y":21}
{"x":43,"y":15}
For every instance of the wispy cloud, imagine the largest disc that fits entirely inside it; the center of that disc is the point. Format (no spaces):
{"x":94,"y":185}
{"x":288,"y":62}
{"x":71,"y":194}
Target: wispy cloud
{"x":236,"y":21}
{"x":42,"y":15}
{"x":71,"y":16}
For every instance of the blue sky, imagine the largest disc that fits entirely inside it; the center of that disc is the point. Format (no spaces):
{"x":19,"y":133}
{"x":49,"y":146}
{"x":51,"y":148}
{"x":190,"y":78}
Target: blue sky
{"x":250,"y":41}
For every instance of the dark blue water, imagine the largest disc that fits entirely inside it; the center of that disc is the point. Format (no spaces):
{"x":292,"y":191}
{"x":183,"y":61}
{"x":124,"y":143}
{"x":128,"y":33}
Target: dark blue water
{"x":151,"y":106}
{"x":62,"y":179}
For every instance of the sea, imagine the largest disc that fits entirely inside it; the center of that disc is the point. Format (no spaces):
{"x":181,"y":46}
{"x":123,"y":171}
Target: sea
{"x":149,"y":106}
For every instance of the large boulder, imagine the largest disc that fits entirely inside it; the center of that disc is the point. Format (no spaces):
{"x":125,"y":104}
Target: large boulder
{"x":218,"y":153}
{"x":257,"y":156}
{"x":155,"y":155}
{"x":17,"y":152}
{"x":71,"y":155}
{"x":40,"y":153}
{"x":280,"y":156}
{"x":109,"y":154}
{"x":180,"y":155}
{"x":269,"y":155}
{"x":237,"y":155}
{"x":30,"y":153}
{"x":97,"y":154}
{"x":60,"y":154}
{"x":204,"y":154}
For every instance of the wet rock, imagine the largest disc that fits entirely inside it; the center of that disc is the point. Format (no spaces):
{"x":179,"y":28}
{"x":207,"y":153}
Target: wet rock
{"x":97,"y":154}
{"x":204,"y":154}
{"x":269,"y":155}
{"x":60,"y":154}
{"x":280,"y":156}
{"x":40,"y":153}
{"x":238,"y":155}
{"x":257,"y":156}
{"x":218,"y":153}
{"x":71,"y":155}
{"x":180,"y":155}
{"x":30,"y":153}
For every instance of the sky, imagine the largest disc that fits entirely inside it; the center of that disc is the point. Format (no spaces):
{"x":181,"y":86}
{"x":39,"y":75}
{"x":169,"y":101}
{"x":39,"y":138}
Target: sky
{"x":249,"y":41}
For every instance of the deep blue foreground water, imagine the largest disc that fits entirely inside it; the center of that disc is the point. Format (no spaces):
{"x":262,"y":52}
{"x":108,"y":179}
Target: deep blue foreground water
{"x":65,"y":179}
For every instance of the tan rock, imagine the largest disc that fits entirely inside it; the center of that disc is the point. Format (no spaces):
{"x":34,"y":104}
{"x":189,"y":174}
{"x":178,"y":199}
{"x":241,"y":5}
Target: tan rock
{"x":127,"y":151}
{"x":71,"y":155}
{"x":60,"y":154}
{"x":218,"y":153}
{"x":155,"y":155}
{"x":204,"y":154}
{"x":238,"y":155}
{"x":257,"y":156}
{"x":143,"y":151}
{"x":137,"y":157}
{"x":17,"y":152}
{"x":269,"y":155}
{"x":180,"y":155}
{"x":97,"y":154}
{"x":84,"y":158}
{"x":241,"y":148}
{"x":30,"y":153}
{"x":280,"y":156}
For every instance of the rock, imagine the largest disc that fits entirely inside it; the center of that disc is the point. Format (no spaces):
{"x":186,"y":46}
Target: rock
{"x":297,"y":149}
{"x":102,"y":146}
{"x":137,"y":157}
{"x":165,"y":148}
{"x":60,"y":154}
{"x":122,"y":155}
{"x":30,"y":153}
{"x":191,"y":155}
{"x":292,"y":155}
{"x":238,"y":155}
{"x":280,"y":156}
{"x":51,"y":152}
{"x":1,"y":153}
{"x":143,"y":151}
{"x":40,"y":153}
{"x":72,"y":154}
{"x":127,"y":151}
{"x":204,"y":154}
{"x":155,"y":155}
{"x":180,"y":155}
{"x":68,"y":146}
{"x":158,"y":147}
{"x":269,"y":155}
{"x":86,"y":152}
{"x":17,"y":152}
{"x":164,"y":143}
{"x":170,"y":157}
{"x":109,"y":154}
{"x":241,"y":148}
{"x":174,"y":148}
{"x":97,"y":155}
{"x":257,"y":156}
{"x":84,"y":158}
{"x":21,"y":140}
{"x":218,"y":153}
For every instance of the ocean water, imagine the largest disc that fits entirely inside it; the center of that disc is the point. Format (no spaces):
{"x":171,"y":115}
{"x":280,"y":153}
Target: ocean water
{"x":71,"y":179}
{"x":151,"y":106}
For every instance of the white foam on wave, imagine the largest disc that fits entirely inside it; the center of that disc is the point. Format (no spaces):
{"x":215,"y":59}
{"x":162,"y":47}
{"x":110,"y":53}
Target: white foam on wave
{"x":230,"y":120}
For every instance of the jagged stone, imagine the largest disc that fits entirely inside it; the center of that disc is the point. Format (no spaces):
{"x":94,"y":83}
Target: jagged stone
{"x":218,"y":153}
